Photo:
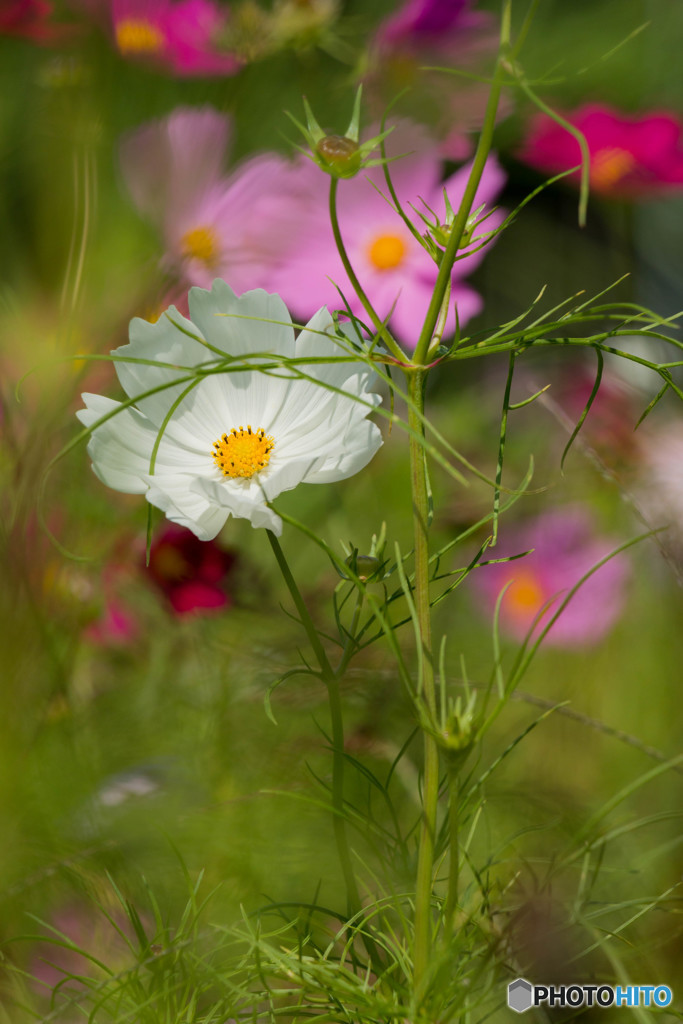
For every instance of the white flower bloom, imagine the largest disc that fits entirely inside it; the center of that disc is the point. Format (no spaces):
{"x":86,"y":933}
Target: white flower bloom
{"x":235,"y":440}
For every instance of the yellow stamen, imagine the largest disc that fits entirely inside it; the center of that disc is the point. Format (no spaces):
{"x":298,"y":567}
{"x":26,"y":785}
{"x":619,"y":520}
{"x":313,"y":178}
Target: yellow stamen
{"x":138,"y":35}
{"x":200,"y":244}
{"x":243,"y":452}
{"x":609,"y":166}
{"x":525,"y":594}
{"x":387,"y":251}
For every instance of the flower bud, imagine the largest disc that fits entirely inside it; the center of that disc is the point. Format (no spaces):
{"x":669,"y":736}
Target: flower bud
{"x":458,"y":732}
{"x":364,"y":566}
{"x":340,"y":155}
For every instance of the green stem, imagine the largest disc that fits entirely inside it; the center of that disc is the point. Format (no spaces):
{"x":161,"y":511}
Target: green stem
{"x":337,"y":722}
{"x":460,"y":222}
{"x":351,"y":644}
{"x":454,"y":851}
{"x":377,"y":322}
{"x":425,"y":864}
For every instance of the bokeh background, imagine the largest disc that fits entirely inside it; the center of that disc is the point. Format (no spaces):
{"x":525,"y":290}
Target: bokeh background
{"x":134,"y":738}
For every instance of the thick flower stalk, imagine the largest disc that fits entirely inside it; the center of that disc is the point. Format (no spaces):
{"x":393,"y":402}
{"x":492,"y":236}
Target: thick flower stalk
{"x":206,"y":436}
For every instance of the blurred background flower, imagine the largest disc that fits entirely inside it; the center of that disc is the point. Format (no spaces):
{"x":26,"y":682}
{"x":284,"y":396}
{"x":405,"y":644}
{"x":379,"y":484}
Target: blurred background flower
{"x":631,"y":156}
{"x":182,"y":37}
{"x":659,"y":482}
{"x":193,"y":575}
{"x":418,"y":37}
{"x":397,"y":274}
{"x":238,"y":227}
{"x":563,"y":546}
{"x":29,"y":19}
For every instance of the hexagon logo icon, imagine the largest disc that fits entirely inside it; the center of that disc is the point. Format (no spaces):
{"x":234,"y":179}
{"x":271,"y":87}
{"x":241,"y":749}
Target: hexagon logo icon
{"x":520,"y":995}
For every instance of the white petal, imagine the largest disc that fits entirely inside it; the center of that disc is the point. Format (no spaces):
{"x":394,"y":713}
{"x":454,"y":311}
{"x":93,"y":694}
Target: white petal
{"x":355,"y":451}
{"x":217,"y":405}
{"x":243,"y":499}
{"x":183,"y":504}
{"x":121,"y":448}
{"x":237,"y":324}
{"x":318,"y":340}
{"x":162,"y":342}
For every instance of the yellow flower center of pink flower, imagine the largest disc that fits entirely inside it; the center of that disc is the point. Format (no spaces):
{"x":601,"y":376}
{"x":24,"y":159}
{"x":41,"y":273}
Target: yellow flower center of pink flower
{"x":387,"y":252}
{"x":525,"y":595}
{"x":243,"y":452}
{"x":609,"y":166}
{"x":138,"y":35}
{"x":200,"y":244}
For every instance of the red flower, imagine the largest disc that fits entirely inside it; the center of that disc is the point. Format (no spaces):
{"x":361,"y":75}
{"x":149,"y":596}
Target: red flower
{"x":630,"y":156}
{"x":190,"y":572}
{"x":28,"y":19}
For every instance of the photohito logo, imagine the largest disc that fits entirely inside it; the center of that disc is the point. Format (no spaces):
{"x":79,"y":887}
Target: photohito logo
{"x":522,"y":995}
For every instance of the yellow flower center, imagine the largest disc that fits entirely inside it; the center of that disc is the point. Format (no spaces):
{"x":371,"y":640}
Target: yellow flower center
{"x":242,"y":452}
{"x":200,"y":244}
{"x":387,"y":251}
{"x":608,"y":166}
{"x":138,"y":35}
{"x":525,"y":594}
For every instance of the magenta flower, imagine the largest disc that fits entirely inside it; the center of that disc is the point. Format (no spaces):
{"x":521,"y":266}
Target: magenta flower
{"x":565,"y":548}
{"x":630,"y":156}
{"x":116,"y":624}
{"x":436,"y":33}
{"x":115,"y":627}
{"x":191,"y":573}
{"x":237,"y":227}
{"x":428,"y":23}
{"x":181,"y":36}
{"x":395,"y":271}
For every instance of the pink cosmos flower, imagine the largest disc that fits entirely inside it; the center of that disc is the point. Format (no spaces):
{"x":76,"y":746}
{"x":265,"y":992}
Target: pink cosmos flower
{"x":236,"y":227}
{"x":181,"y":36}
{"x":395,"y":271}
{"x":565,"y":548}
{"x":191,"y":573}
{"x":630,"y":156}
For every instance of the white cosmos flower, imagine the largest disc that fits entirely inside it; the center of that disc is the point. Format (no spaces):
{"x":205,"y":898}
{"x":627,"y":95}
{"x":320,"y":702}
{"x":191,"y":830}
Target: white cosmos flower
{"x":235,"y":440}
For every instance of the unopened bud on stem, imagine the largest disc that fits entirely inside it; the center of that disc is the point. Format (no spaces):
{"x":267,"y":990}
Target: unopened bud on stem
{"x":340,"y":155}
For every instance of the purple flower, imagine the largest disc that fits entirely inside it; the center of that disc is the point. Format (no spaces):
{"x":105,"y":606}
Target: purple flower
{"x":565,"y":548}
{"x":237,"y":227}
{"x":395,"y":271}
{"x":178,"y":36}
